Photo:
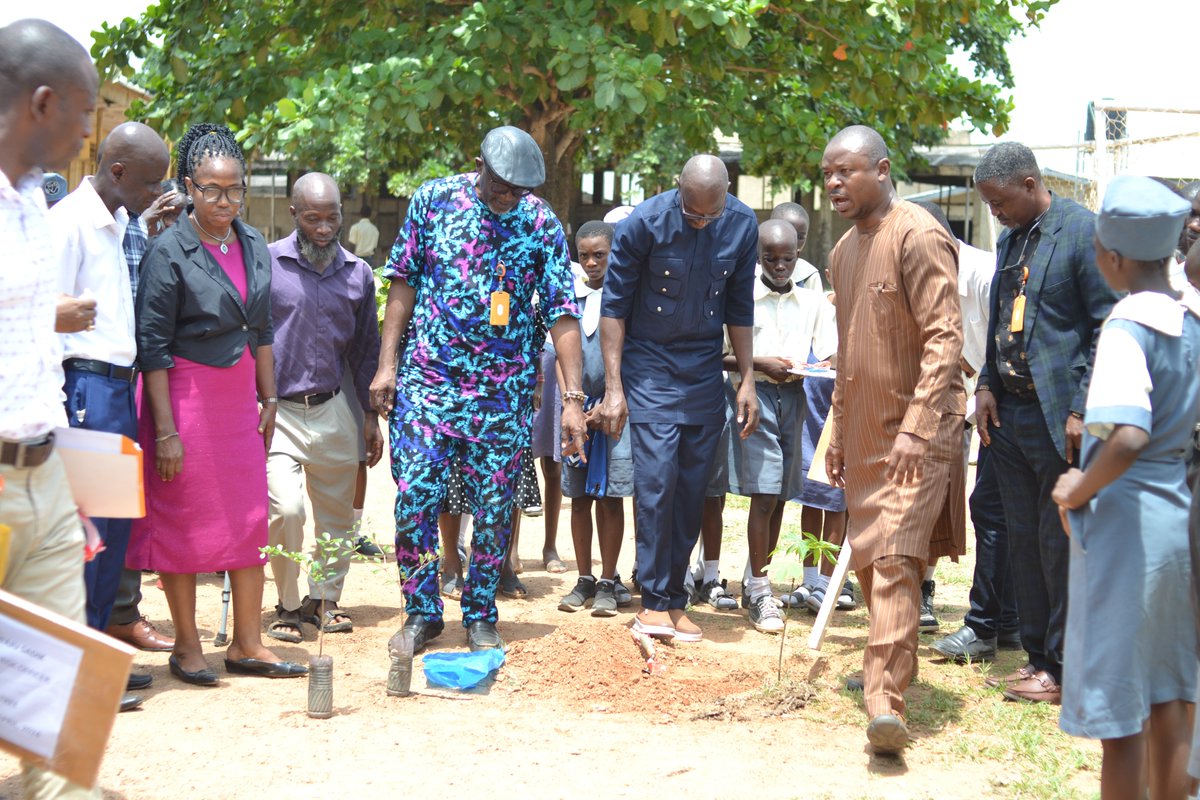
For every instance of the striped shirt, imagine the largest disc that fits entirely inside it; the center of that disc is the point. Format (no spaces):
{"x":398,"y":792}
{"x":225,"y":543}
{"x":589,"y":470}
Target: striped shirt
{"x":30,"y":354}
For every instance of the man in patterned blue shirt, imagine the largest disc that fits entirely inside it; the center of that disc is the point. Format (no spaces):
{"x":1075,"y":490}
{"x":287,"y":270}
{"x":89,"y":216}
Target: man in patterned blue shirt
{"x":474,"y":251}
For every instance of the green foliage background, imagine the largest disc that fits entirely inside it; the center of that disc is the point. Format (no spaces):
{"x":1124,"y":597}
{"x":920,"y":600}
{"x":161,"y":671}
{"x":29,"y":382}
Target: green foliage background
{"x":402,"y":91}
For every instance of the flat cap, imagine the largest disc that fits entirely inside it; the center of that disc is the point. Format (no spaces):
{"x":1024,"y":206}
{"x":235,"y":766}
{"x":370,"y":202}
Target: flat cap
{"x":514,"y":157}
{"x":1140,"y":218}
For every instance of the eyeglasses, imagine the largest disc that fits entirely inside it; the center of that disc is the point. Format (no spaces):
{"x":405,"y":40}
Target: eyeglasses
{"x":688,"y":215}
{"x":497,"y":186}
{"x":236,"y":195}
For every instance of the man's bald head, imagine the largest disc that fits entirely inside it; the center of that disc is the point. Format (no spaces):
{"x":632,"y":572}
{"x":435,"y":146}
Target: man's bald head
{"x":132,"y":162}
{"x":703,"y":184}
{"x":48,"y":91}
{"x":33,"y":53}
{"x":315,"y":189}
{"x":317,"y":210}
{"x":860,"y":139}
{"x":132,"y":141}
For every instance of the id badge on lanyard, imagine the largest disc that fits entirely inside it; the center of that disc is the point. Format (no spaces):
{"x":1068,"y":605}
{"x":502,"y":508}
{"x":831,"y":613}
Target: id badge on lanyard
{"x":1017,"y":323}
{"x":500,"y":300}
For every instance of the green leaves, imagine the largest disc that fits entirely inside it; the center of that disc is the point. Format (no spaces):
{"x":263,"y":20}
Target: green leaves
{"x":404,"y":90}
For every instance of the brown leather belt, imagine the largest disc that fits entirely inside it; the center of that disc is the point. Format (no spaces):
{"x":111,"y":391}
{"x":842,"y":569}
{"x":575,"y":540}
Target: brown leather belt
{"x":26,"y":455}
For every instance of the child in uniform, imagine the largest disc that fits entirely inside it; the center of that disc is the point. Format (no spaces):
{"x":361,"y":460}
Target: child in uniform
{"x":607,"y":478}
{"x":789,"y":322}
{"x":1130,"y":655}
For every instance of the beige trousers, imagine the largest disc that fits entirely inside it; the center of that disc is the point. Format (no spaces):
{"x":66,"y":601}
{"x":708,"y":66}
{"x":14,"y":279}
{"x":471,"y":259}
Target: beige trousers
{"x":891,"y":586}
{"x":314,"y":449}
{"x":45,"y":566}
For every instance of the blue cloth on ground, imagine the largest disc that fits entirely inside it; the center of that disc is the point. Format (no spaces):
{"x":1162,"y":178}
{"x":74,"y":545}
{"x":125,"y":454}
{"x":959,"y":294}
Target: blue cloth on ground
{"x":462,"y":670}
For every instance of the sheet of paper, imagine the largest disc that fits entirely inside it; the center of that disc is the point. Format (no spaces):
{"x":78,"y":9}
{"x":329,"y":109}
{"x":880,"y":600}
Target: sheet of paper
{"x":105,"y":472}
{"x":816,"y":471}
{"x":813,"y":372}
{"x":37,"y":676}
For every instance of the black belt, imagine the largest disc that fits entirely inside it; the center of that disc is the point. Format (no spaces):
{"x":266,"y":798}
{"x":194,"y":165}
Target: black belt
{"x":26,"y":455}
{"x":127,"y":374}
{"x":310,"y":400}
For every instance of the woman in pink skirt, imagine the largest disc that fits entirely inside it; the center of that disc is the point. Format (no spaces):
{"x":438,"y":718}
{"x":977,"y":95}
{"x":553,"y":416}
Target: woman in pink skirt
{"x":204,"y":345}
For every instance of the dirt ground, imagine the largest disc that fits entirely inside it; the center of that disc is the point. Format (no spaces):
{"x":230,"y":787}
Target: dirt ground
{"x":573,"y":714}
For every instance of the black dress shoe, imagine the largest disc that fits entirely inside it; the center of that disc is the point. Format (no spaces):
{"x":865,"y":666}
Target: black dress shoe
{"x":201,"y":677}
{"x":366,"y":548}
{"x":265,"y":669}
{"x":483,"y":636}
{"x":138,"y":680}
{"x":131,"y":701}
{"x":965,"y":645}
{"x":422,"y":629}
{"x":1009,"y":641}
{"x":854,"y":683}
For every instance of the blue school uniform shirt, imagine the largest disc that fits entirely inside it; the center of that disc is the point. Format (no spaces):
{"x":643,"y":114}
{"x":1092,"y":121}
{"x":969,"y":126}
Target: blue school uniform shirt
{"x":676,"y":287}
{"x":468,"y":376}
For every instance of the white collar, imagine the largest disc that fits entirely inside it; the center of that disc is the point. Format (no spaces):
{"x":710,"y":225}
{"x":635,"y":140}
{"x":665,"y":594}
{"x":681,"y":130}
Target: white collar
{"x":761,"y":290}
{"x":100,"y":215}
{"x":1156,"y":310}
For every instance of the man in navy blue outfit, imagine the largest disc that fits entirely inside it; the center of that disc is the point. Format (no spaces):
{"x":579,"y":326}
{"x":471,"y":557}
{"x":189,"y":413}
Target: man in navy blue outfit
{"x":681,"y":269}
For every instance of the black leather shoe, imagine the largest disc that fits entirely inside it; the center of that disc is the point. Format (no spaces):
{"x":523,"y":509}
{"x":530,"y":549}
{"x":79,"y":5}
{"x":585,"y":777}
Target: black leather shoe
{"x":138,"y":681}
{"x":965,"y":645}
{"x":854,"y":683}
{"x":201,"y":677}
{"x":483,"y":636}
{"x":265,"y":669}
{"x":888,"y":734}
{"x":131,"y":701}
{"x":1009,"y":641}
{"x":422,"y":629}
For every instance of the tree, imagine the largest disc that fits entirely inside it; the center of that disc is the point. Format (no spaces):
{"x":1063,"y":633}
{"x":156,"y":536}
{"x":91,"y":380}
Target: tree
{"x":405,"y":90}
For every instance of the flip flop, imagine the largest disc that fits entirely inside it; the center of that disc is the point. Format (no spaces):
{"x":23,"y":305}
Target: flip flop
{"x":555,"y":566}
{"x":452,"y":587}
{"x":512,"y":587}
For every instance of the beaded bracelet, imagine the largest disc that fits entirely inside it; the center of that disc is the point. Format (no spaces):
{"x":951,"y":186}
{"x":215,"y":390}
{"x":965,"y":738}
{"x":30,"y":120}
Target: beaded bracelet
{"x":580,"y":396}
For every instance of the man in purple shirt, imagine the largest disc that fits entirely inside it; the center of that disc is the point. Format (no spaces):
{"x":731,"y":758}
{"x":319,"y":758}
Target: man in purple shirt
{"x":323,"y":307}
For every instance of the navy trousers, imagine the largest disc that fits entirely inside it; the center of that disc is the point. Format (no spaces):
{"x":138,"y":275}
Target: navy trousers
{"x":100,"y":403}
{"x":993,"y":595}
{"x":671,"y":466}
{"x":1027,"y":467}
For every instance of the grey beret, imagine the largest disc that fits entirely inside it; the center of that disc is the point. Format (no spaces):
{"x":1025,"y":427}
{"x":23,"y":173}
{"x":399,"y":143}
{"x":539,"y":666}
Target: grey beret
{"x":514,"y":157}
{"x":1140,"y":218}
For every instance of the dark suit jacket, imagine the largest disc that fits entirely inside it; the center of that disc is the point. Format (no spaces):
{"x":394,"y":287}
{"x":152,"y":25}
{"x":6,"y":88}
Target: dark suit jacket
{"x":188,"y":307}
{"x":1067,"y":300}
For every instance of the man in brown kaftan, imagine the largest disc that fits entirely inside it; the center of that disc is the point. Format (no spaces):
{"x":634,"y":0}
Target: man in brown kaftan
{"x":898,"y":405}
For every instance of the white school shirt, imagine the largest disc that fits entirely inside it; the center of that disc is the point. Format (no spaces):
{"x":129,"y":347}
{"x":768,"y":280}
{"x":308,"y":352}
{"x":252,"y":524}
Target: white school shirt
{"x":789,"y":325}
{"x":30,"y":353}
{"x":92,"y":258}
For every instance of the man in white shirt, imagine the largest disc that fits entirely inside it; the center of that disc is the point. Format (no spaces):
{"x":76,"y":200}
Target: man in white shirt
{"x":48,"y":92}
{"x":364,"y":237}
{"x":92,"y":224}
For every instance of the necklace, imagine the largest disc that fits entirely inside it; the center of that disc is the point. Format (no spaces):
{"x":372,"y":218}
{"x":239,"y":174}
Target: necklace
{"x":221,"y":240}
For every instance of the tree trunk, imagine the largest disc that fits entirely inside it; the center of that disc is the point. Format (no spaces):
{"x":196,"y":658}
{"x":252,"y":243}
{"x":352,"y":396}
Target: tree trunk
{"x":560,"y":145}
